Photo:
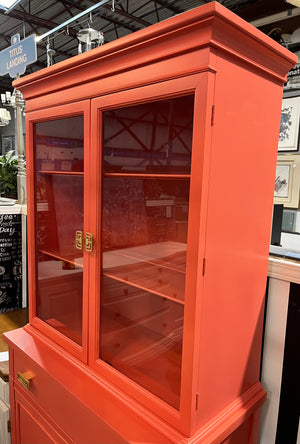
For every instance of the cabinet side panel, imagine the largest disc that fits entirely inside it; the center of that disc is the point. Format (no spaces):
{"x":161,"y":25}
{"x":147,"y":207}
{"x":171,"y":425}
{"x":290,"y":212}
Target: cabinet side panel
{"x":243,"y":162}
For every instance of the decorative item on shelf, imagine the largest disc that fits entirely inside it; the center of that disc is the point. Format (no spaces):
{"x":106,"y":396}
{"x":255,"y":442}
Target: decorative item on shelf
{"x":4,"y":117}
{"x":289,"y":124}
{"x":13,"y":99}
{"x":292,"y":42}
{"x":8,"y":99}
{"x":287,"y":182}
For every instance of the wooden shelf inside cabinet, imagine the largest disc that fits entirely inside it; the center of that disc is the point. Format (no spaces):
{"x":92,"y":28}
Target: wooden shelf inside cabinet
{"x":148,"y":288}
{"x":66,"y":259}
{"x":169,"y":176}
{"x":150,"y":268}
{"x":175,"y":261}
{"x":64,"y":173}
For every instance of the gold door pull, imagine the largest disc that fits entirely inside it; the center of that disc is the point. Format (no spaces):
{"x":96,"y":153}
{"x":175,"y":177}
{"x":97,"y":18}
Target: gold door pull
{"x":89,"y":242}
{"x":25,"y":379}
{"x":79,"y":240}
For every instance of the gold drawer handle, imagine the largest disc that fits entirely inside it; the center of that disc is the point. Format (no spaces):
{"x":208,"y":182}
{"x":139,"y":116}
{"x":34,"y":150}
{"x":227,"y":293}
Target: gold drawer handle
{"x":25,"y":379}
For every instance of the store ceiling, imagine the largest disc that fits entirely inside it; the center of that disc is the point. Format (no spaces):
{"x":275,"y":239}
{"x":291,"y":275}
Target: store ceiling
{"x":39,"y":17}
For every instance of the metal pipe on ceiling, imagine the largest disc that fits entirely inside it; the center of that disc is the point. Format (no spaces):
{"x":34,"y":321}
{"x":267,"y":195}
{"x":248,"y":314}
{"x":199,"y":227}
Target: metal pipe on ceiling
{"x":72,"y":19}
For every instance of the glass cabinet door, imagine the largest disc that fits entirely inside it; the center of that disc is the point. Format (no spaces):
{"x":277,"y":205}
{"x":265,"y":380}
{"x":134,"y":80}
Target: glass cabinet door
{"x":59,"y":185}
{"x":146,"y":157}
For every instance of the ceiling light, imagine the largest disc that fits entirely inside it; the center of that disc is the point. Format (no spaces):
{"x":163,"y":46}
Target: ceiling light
{"x":8,"y":4}
{"x":90,"y":37}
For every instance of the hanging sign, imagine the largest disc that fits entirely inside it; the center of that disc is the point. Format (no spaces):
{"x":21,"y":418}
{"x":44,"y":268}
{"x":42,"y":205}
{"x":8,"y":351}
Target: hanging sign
{"x":15,"y":58}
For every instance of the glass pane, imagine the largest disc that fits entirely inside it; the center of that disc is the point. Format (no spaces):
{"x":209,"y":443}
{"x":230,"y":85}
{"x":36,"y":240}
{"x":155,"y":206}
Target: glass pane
{"x":155,"y":137}
{"x":141,"y":336}
{"x":59,"y":145}
{"x":59,"y":215}
{"x":144,"y":242}
{"x":144,"y":233}
{"x":59,"y":295}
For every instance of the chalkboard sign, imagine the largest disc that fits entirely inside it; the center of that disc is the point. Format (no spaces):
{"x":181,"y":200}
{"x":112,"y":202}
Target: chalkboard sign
{"x":10,"y":262}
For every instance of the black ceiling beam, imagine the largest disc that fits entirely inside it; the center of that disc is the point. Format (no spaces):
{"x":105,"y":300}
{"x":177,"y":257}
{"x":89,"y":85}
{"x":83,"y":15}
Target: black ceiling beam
{"x":66,"y":6}
{"x":31,"y":19}
{"x":164,"y":4}
{"x":63,"y":54}
{"x":30,"y":24}
{"x":117,"y":22}
{"x":69,"y":3}
{"x":129,"y":16}
{"x":118,"y":11}
{"x":6,"y":38}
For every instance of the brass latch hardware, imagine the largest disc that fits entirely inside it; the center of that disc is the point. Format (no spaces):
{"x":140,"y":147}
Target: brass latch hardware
{"x":89,"y":242}
{"x":79,"y":240}
{"x":24,"y":379}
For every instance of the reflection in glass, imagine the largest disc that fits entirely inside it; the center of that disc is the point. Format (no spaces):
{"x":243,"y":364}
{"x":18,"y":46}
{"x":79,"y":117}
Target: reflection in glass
{"x":59,"y":215}
{"x":59,"y":144}
{"x":145,"y":205}
{"x":59,"y":295}
{"x":152,"y":137}
{"x":144,"y":263}
{"x":141,"y":336}
{"x":146,"y":225}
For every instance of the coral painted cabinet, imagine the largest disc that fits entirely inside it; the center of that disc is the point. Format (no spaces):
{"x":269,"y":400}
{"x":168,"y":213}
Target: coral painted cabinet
{"x":145,"y":159}
{"x":150,"y":186}
{"x":58,"y":187}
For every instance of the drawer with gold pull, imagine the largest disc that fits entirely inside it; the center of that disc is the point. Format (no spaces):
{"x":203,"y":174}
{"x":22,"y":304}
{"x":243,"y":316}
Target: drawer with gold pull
{"x":25,"y":379}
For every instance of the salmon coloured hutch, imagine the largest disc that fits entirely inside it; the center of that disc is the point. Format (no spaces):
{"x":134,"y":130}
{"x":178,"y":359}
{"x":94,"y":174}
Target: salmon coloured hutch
{"x":151,"y":164}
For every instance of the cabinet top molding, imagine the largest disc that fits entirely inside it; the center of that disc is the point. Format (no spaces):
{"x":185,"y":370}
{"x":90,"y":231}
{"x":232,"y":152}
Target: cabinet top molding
{"x":211,"y":29}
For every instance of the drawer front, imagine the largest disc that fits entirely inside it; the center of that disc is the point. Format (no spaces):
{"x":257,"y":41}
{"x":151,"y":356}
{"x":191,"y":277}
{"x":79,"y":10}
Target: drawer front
{"x":53,"y":400}
{"x":33,"y":428}
{"x":33,"y":381}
